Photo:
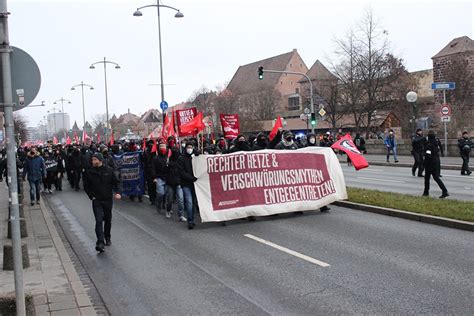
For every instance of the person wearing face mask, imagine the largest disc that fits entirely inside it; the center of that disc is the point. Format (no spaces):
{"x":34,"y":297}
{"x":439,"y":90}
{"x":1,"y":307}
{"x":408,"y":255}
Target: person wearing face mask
{"x":326,"y":142}
{"x":418,"y":142}
{"x":187,"y":179}
{"x":261,"y":142}
{"x":287,"y":141}
{"x":222,"y":145}
{"x":432,"y":165}
{"x":240,"y":144}
{"x":159,"y":169}
{"x":173,"y":185}
{"x":465,"y":145}
{"x":311,"y":140}
{"x":58,"y":183}
{"x":148,"y":165}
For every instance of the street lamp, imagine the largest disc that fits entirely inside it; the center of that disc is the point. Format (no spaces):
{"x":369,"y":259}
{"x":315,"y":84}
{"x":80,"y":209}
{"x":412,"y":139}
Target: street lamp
{"x":82,"y":84}
{"x":105,"y":62}
{"x":177,"y":15}
{"x":412,"y":97}
{"x":62,"y":100}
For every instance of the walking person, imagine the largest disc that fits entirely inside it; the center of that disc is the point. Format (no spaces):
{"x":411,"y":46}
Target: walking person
{"x":185,"y":166}
{"x":173,"y":185}
{"x":51,"y":165}
{"x":100,"y":184}
{"x":34,"y":169}
{"x":391,"y":144}
{"x":159,"y":165}
{"x":432,"y":166}
{"x":418,"y":142}
{"x":465,"y":145}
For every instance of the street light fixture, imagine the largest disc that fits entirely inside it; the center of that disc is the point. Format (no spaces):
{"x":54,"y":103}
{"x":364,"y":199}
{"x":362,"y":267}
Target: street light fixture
{"x":412,"y":97}
{"x":177,"y":15}
{"x":105,"y":62}
{"x":82,"y":85}
{"x":62,"y":100}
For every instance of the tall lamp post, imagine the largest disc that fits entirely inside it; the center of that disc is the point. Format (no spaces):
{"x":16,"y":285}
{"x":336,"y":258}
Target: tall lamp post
{"x":412,"y":97}
{"x":177,"y":15}
{"x":62,"y":100}
{"x":82,"y":85}
{"x":105,"y":62}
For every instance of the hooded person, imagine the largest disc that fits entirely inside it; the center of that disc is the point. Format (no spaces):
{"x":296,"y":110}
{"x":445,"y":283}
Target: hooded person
{"x":287,"y":141}
{"x":465,"y":145}
{"x":187,"y":178}
{"x":311,"y":140}
{"x":261,"y":142}
{"x":326,"y":141}
{"x":240,"y":144}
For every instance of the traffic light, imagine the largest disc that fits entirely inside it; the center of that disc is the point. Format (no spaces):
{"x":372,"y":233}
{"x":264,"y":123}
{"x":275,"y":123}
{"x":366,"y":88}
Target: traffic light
{"x":260,"y":73}
{"x":313,"y":119}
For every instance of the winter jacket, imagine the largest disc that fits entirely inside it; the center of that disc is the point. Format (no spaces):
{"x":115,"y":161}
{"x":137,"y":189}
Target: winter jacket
{"x":185,"y":167}
{"x":465,"y":145}
{"x":159,"y":164}
{"x":51,"y":164}
{"x":285,"y":145}
{"x":432,"y":161}
{"x":100,"y":183}
{"x":34,"y":168}
{"x":418,"y":143}
{"x":390,"y":141}
{"x":173,"y":172}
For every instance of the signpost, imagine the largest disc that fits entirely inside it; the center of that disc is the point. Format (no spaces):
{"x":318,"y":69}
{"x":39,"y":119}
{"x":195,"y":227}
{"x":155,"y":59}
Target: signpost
{"x":164,"y":105}
{"x":445,"y":108}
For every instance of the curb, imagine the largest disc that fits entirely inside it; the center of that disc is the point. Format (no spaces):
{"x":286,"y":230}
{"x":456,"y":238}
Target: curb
{"x":429,"y":219}
{"x":406,"y":165}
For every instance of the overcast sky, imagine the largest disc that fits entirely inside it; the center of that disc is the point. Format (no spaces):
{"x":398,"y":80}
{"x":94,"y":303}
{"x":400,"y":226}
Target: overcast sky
{"x":206,"y":47}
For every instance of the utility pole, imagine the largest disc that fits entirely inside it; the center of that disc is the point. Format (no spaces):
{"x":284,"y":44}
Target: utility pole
{"x":11,"y":159}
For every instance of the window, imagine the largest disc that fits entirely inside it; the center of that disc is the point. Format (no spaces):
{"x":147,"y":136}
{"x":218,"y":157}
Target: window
{"x":293,"y":103}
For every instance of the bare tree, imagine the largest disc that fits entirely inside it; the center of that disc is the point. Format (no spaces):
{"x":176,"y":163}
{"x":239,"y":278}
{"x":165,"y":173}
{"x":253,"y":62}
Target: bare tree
{"x":98,"y":119}
{"x":19,"y":123}
{"x":202,"y":99}
{"x":262,"y":105}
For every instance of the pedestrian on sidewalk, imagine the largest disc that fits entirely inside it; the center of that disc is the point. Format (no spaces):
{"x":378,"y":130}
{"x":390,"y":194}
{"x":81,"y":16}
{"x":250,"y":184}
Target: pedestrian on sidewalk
{"x":100,"y":184}
{"x":432,"y":165}
{"x":391,"y":144}
{"x":34,"y":169}
{"x":418,"y":142}
{"x":465,"y":145}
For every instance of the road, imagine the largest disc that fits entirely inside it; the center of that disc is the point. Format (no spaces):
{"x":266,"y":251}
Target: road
{"x":377,"y":264}
{"x":400,"y":180}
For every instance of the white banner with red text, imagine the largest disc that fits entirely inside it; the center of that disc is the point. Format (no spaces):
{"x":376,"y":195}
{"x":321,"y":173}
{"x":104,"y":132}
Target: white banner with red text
{"x":267,"y":182}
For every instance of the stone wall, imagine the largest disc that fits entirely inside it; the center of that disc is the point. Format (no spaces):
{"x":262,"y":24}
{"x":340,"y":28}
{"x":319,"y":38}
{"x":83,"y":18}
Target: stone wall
{"x":377,"y":147}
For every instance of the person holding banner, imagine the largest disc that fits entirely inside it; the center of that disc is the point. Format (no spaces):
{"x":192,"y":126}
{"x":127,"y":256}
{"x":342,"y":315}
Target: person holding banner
{"x":185,"y":167}
{"x":261,"y":142}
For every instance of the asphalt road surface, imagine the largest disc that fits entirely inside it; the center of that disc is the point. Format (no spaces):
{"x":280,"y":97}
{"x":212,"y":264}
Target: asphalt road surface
{"x":341,"y":262}
{"x":400,"y":180}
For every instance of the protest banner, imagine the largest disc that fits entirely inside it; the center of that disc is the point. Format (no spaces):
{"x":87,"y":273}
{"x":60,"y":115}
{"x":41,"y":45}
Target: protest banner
{"x":131,"y":173}
{"x":267,"y":182}
{"x":183,"y":117}
{"x":230,"y":125}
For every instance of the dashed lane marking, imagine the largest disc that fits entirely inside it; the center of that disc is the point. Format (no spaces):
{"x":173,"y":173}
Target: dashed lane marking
{"x":288,"y":251}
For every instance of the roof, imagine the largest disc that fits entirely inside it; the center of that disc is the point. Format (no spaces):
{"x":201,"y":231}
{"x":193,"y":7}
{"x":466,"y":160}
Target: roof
{"x":319,"y":72}
{"x":458,"y":45}
{"x":75,"y":127}
{"x":150,"y":116}
{"x":246,"y":80}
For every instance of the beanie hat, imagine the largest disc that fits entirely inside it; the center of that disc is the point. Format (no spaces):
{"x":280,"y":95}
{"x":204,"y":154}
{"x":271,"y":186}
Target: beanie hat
{"x":98,"y":156}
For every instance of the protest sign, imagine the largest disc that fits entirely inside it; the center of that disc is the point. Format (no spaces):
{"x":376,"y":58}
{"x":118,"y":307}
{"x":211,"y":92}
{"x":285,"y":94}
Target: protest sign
{"x":183,"y":117}
{"x":267,"y":182}
{"x":131,"y":173}
{"x":230,"y":125}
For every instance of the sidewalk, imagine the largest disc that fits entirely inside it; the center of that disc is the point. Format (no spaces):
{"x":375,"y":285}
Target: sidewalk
{"x":447,"y":163}
{"x":51,"y":278}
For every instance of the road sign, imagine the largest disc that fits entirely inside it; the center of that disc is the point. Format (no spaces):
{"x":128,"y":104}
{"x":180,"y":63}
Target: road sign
{"x":307,"y":111}
{"x":443,"y":85}
{"x":164,"y":105}
{"x":445,"y":119}
{"x":322,"y":112}
{"x":445,"y":110}
{"x":26,"y":78}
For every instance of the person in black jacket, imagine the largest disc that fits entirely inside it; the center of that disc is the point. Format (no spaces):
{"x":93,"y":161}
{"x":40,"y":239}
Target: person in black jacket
{"x":159,"y":163}
{"x":240,"y":144}
{"x":58,"y":182}
{"x":465,"y":145}
{"x":148,"y":166}
{"x":187,"y":178}
{"x":101,"y":183}
{"x":261,"y":142}
{"x":432,"y":165}
{"x":418,"y":142}
{"x":76,"y":165}
{"x":51,"y":165}
{"x":173,"y":185}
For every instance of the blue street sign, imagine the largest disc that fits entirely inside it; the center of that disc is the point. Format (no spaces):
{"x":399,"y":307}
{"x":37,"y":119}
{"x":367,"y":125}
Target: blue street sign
{"x":443,"y":85}
{"x":164,"y":105}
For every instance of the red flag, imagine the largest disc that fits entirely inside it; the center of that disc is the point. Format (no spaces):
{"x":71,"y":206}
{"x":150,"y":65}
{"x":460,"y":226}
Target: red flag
{"x":278,"y":125}
{"x":347,"y":145}
{"x":55,"y":140}
{"x":68,"y":140}
{"x":112,"y":140}
{"x":168,"y":129}
{"x":154,"y":149}
{"x":84,"y":136}
{"x":76,"y":138}
{"x":195,"y":125}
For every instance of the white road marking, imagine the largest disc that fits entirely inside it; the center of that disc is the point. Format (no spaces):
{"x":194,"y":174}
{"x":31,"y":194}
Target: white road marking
{"x":467,"y":188}
{"x":288,"y":251}
{"x":383,"y":180}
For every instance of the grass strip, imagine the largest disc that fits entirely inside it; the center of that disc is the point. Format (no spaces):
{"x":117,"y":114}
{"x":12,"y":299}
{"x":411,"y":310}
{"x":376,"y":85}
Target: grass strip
{"x":448,"y":208}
